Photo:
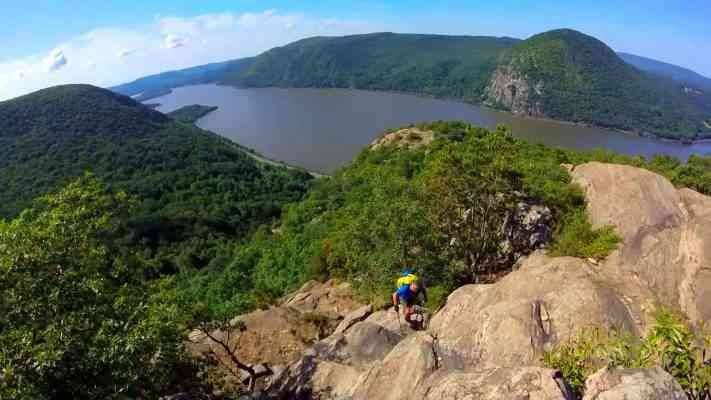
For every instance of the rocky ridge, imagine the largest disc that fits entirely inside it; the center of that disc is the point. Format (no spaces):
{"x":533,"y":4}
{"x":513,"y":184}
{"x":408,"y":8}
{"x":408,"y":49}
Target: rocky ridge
{"x":487,"y":341}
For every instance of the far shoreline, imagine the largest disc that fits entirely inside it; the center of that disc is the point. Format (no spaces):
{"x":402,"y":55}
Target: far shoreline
{"x":484,"y":106}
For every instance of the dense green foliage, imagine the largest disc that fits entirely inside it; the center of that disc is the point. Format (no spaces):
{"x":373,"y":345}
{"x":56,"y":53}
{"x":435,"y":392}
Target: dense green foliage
{"x":670,"y":344}
{"x":77,"y":320}
{"x":383,"y":211}
{"x":583,"y":80}
{"x":160,"y":84}
{"x":190,"y":114}
{"x":196,"y":189}
{"x":447,"y":66}
{"x":60,"y":113}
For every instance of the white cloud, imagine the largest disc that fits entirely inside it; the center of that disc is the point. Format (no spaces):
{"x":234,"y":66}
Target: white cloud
{"x":55,"y":61}
{"x":109,"y":56}
{"x":173,"y":42}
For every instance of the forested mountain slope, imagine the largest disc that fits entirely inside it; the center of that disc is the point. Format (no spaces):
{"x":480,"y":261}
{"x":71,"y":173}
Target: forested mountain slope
{"x":448,"y":66}
{"x":672,"y":71}
{"x":567,"y":75}
{"x":561,"y":74}
{"x":191,"y":186}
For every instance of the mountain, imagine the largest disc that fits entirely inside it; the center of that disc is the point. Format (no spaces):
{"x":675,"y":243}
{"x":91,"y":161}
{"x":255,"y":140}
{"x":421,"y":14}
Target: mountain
{"x":681,"y":74}
{"x":561,"y":74}
{"x":447,"y":66}
{"x":160,"y":84}
{"x":570,"y":76}
{"x":66,"y":111}
{"x":193,"y":187}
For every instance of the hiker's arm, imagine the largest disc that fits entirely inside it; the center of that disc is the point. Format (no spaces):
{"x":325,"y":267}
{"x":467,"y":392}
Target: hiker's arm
{"x":395,"y":300}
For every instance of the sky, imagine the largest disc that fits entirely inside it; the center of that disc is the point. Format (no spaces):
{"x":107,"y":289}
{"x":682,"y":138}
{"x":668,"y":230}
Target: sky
{"x":49,"y":42}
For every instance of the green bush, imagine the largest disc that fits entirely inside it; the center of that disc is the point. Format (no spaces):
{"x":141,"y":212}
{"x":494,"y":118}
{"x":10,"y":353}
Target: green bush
{"x":577,"y":238}
{"x":670,"y":344}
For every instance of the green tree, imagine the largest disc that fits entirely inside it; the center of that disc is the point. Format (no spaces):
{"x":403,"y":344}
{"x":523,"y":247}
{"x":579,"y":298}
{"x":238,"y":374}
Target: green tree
{"x":77,"y":323}
{"x":469,"y":197}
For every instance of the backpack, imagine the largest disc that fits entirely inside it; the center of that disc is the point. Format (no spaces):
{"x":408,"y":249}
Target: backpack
{"x":406,"y":280}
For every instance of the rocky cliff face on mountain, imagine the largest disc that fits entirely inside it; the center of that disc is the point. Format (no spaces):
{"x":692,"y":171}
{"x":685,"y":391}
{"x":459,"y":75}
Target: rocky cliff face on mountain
{"x":487,"y":341}
{"x":510,"y":89}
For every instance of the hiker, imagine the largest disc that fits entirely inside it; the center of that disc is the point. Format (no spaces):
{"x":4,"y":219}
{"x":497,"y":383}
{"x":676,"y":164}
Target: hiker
{"x":409,"y":290}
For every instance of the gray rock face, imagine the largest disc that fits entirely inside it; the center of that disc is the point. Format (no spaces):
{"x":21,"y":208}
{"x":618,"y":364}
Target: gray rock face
{"x":510,"y":323}
{"x":487,"y":341}
{"x":633,"y":384}
{"x":399,"y":375}
{"x":510,"y":89}
{"x":530,"y":383}
{"x":528,"y":229}
{"x":666,"y":234}
{"x":353,"y":318}
{"x":335,"y":366}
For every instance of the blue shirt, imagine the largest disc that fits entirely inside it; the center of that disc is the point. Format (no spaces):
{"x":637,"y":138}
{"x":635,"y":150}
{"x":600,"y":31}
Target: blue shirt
{"x":405,"y":293}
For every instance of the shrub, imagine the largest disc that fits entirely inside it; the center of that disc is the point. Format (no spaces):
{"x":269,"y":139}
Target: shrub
{"x":670,"y":344}
{"x":577,"y":238}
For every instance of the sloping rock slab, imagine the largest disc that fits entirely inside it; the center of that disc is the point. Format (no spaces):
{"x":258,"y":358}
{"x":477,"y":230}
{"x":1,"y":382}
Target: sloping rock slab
{"x":666,"y":233}
{"x":530,"y":383}
{"x":633,"y":384}
{"x":511,"y":323}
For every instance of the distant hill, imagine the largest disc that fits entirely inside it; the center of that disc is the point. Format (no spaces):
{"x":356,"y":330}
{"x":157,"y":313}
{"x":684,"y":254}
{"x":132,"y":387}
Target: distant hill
{"x":448,"y":66}
{"x":570,"y":76}
{"x":160,"y":84}
{"x":672,"y":71}
{"x":561,"y":74}
{"x":76,"y":109}
{"x":193,"y":187}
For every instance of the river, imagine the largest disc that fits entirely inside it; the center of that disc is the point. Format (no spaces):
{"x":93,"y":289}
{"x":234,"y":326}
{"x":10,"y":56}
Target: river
{"x":321,"y":129}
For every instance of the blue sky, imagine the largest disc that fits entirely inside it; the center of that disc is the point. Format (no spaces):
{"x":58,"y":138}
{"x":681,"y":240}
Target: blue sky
{"x":109,"y":42}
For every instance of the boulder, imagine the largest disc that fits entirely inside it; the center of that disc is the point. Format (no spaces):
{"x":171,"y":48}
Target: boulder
{"x":512,"y":322}
{"x":331,"y":297}
{"x":354,"y":317}
{"x":279,"y":335}
{"x":391,"y":321}
{"x":367,"y":342}
{"x":333,"y":366}
{"x":398,"y":376}
{"x":530,"y":383}
{"x":665,"y":232}
{"x":408,"y":138}
{"x":310,"y":378}
{"x":633,"y":384}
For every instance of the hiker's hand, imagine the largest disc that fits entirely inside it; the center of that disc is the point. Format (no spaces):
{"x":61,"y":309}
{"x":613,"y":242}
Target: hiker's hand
{"x":396,"y":308}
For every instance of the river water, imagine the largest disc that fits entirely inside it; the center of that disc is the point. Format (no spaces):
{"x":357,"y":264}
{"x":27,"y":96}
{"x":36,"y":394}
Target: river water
{"x":322,"y":129}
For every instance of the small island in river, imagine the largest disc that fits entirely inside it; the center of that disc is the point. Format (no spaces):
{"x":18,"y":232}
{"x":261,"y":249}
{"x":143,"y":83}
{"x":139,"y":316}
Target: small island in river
{"x":190,"y":114}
